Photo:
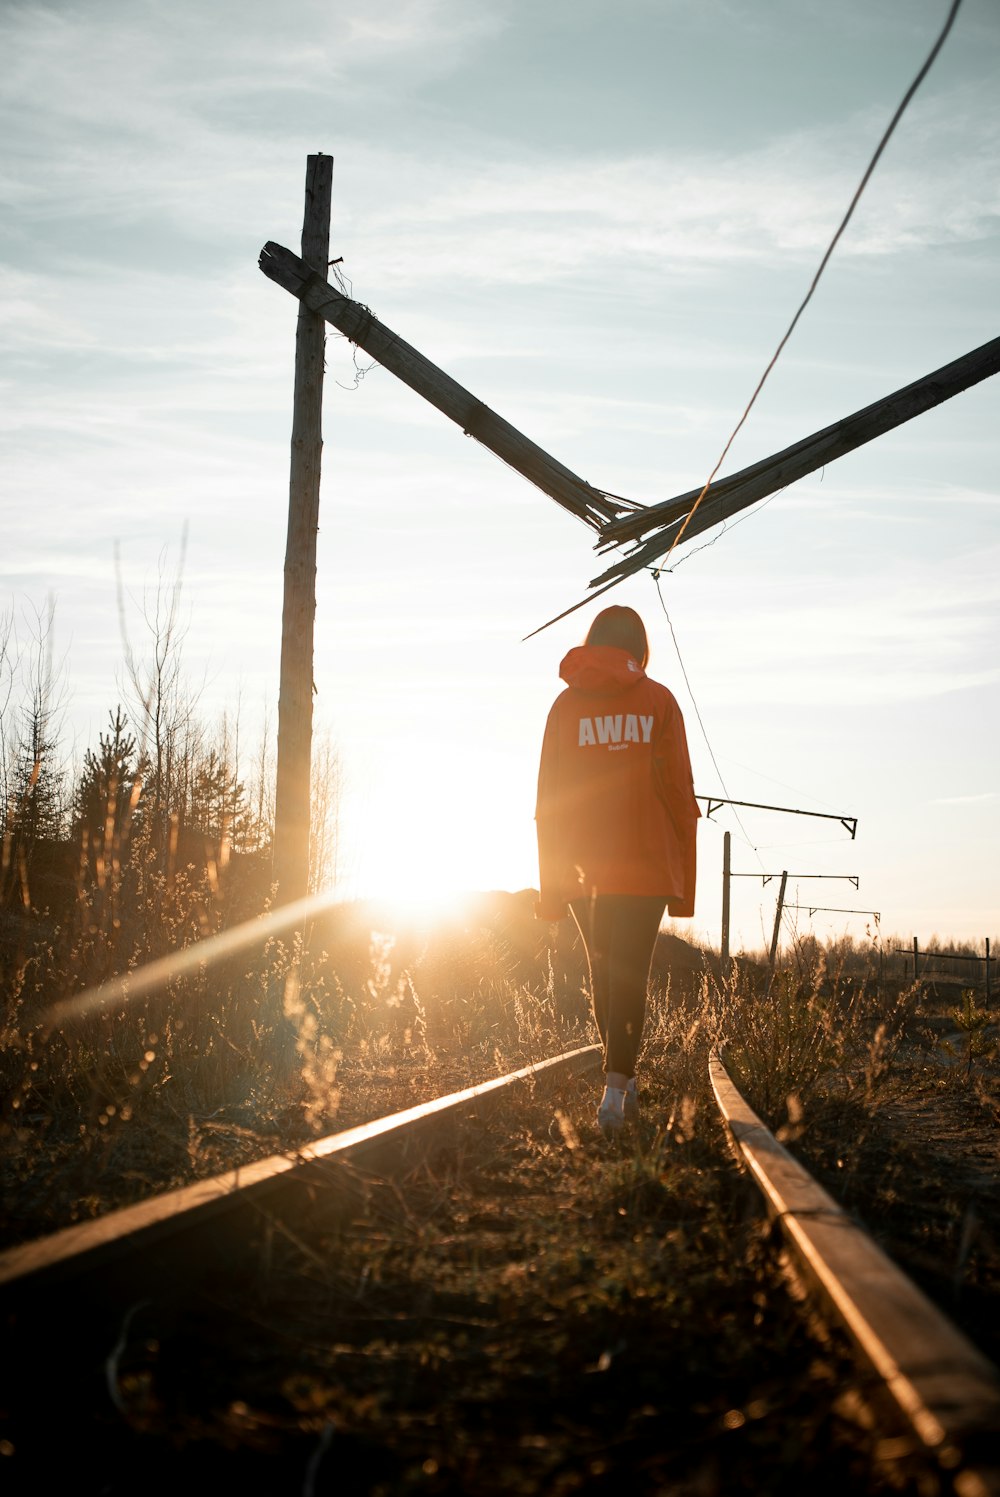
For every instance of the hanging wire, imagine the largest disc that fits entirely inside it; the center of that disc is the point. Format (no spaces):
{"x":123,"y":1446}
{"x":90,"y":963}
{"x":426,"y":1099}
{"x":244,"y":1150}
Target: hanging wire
{"x":701,"y":723}
{"x":346,"y":287}
{"x":658,"y":569}
{"x":887,"y":134}
{"x":921,"y":75}
{"x":783,"y":785}
{"x":727,"y":525}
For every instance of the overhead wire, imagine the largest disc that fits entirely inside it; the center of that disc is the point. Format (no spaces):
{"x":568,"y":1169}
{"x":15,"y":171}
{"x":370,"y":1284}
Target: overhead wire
{"x":727,"y":525}
{"x":657,"y":570}
{"x":862,"y":184}
{"x":783,"y":785}
{"x":886,"y":136}
{"x":701,"y":723}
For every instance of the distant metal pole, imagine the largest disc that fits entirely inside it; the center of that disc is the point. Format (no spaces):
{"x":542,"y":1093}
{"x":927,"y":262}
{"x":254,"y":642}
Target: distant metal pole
{"x":295,"y":691}
{"x":987,"y":971}
{"x":726,"y":847}
{"x":916,"y":957}
{"x":777,"y":920}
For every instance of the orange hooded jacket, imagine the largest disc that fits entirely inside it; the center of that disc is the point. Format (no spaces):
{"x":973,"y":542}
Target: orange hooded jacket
{"x":616,"y":812}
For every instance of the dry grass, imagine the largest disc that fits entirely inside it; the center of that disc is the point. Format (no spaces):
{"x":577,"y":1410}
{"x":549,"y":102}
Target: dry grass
{"x":890,"y":1093}
{"x":252,"y":1055}
{"x":530,"y":1311}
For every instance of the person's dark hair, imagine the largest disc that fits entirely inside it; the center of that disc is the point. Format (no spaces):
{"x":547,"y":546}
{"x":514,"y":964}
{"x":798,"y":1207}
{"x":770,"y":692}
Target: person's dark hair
{"x":623,"y":628}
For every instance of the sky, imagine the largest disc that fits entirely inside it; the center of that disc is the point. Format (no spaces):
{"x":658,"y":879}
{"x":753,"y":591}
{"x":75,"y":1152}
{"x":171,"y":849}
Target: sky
{"x":599,"y":216}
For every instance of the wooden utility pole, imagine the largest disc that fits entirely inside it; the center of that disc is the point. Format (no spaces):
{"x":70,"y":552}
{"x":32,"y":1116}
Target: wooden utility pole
{"x":726,"y":873}
{"x":987,"y":971}
{"x":292,"y":793}
{"x":777,"y":921}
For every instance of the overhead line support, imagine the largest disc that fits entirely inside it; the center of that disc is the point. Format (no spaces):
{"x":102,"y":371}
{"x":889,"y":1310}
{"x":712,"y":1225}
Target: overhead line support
{"x":714,"y":802}
{"x":765,"y":878}
{"x":827,"y":909}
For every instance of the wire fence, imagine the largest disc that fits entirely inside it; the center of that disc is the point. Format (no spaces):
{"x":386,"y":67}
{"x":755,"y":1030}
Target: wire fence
{"x":925,"y":964}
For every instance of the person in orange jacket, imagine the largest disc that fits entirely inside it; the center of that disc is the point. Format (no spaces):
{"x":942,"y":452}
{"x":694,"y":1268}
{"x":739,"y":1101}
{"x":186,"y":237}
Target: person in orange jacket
{"x":616,"y":819}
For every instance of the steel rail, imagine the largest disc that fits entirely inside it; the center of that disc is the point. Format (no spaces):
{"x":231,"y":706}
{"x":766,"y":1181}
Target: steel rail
{"x":263,"y":1186}
{"x":946,"y":1390}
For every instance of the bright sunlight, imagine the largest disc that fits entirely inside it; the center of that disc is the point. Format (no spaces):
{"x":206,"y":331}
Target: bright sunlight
{"x":422,"y":843}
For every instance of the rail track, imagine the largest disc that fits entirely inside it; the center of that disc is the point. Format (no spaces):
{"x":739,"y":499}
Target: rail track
{"x":89,"y":1310}
{"x":945,"y":1390}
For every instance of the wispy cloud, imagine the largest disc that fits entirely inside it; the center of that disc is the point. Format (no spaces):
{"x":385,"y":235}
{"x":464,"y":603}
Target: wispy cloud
{"x":867,"y":637}
{"x":988,"y":797}
{"x":139,"y":117}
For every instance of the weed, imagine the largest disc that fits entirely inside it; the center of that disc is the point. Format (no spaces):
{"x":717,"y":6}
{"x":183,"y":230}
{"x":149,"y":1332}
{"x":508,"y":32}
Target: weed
{"x":973,"y":1022}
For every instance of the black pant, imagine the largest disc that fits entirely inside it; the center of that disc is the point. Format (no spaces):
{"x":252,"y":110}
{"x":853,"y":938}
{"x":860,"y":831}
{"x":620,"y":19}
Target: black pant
{"x":619,"y":934}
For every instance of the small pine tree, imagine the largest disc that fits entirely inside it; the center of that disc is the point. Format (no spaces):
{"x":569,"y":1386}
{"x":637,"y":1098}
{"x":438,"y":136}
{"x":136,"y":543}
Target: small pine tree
{"x":107,"y":803}
{"x":217,"y":802}
{"x":34,"y":813}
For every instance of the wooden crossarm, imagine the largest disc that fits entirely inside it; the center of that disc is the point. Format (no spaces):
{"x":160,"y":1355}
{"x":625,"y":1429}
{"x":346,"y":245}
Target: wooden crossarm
{"x":358,"y":324}
{"x":652,"y":528}
{"x":730,"y":495}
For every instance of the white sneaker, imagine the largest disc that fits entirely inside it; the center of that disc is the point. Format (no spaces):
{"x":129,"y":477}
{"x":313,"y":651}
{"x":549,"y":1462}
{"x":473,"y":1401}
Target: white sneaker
{"x":631,"y":1106}
{"x":611,"y":1112}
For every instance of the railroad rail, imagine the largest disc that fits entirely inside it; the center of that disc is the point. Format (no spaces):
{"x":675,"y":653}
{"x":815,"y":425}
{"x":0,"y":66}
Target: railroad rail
{"x":270,"y":1185}
{"x":946,"y":1391}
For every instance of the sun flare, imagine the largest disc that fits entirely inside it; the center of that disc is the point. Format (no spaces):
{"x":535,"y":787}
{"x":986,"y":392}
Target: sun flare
{"x":422,"y":846}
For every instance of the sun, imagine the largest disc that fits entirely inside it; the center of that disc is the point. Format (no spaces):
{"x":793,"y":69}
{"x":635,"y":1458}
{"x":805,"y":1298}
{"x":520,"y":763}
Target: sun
{"x":422,"y":845}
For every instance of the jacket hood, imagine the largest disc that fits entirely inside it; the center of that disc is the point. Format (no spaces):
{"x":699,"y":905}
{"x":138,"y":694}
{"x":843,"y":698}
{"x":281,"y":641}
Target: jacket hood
{"x":600,"y":668}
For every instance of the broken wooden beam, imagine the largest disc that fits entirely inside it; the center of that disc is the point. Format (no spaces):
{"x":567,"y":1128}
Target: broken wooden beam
{"x":730,"y":495}
{"x":620,"y":521}
{"x":358,"y":324}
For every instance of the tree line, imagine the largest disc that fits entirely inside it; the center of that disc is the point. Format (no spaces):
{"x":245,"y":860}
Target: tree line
{"x":160,"y":786}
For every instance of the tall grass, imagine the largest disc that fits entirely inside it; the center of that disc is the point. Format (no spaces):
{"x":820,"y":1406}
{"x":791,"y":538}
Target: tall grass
{"x":235,"y":1058}
{"x":160,"y":838}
